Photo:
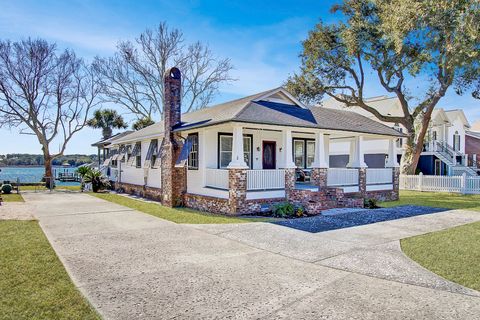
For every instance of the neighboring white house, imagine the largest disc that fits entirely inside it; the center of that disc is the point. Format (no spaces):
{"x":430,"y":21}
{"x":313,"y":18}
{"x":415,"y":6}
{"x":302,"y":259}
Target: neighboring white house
{"x":237,"y":156}
{"x":445,"y":143}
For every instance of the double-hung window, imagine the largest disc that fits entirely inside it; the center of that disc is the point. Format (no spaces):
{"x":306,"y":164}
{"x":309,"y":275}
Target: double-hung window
{"x":225,"y":148}
{"x":193,"y":154}
{"x":303,"y":152}
{"x":138,"y":155}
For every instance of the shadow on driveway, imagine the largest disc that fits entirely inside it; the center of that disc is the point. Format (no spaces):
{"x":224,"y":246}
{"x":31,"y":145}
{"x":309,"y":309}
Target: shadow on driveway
{"x":356,"y":218}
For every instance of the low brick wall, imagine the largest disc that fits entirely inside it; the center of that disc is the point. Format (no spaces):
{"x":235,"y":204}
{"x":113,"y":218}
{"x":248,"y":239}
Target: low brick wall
{"x":141,"y":191}
{"x":382,"y":195}
{"x":223,"y":206}
{"x":255,"y":206}
{"x":207,"y":204}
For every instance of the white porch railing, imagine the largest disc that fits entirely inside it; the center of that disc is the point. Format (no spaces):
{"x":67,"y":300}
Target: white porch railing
{"x":461,"y":184}
{"x":265,"y":179}
{"x":379,"y":176}
{"x":216,"y":178}
{"x":342,"y":177}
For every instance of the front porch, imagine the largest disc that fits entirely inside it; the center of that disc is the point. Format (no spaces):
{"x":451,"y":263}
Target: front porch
{"x":249,"y":167}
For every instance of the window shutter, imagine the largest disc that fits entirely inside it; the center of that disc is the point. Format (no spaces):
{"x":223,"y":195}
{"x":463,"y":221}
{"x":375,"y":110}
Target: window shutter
{"x":121,"y":153}
{"x":182,"y":159}
{"x":135,"y":151}
{"x":152,"y":149}
{"x":158,"y":154}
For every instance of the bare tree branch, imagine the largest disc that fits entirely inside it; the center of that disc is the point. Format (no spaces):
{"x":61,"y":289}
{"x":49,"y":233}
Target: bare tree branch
{"x":45,"y":93}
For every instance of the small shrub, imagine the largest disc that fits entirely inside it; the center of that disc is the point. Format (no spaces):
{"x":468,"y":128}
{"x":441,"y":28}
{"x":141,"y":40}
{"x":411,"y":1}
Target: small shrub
{"x":7,"y":188}
{"x":299,"y":211}
{"x":283,"y":210}
{"x":370,"y":203}
{"x":97,"y":179}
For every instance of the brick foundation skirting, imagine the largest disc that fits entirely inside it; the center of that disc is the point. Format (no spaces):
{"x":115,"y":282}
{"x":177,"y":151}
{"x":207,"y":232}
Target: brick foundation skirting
{"x":141,"y":191}
{"x":223,"y":206}
{"x":207,"y":203}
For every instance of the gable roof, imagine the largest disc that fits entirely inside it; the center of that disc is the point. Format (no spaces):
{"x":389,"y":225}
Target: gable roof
{"x":473,"y":134}
{"x":274,"y":107}
{"x":387,"y":106}
{"x":457,"y":113}
{"x":108,"y":141}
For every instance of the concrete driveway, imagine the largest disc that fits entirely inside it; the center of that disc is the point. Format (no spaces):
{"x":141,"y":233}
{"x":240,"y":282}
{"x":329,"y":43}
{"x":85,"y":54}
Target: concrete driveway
{"x":134,"y":266}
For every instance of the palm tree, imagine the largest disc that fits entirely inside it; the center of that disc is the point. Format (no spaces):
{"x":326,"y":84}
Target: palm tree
{"x":142,"y":123}
{"x":107,"y":120}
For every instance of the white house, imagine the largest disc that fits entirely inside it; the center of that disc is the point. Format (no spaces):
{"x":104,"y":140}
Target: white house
{"x":445,"y":151}
{"x":241,"y":155}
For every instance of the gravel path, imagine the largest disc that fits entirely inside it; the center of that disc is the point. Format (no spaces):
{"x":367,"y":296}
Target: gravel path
{"x":352,"y":218}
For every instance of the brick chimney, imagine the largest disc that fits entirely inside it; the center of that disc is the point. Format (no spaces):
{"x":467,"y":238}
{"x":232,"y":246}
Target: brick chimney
{"x":172,"y":97}
{"x":174,"y":183}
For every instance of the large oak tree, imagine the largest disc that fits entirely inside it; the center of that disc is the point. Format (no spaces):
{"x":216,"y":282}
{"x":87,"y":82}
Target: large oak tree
{"x":46,"y":93}
{"x":402,"y":43}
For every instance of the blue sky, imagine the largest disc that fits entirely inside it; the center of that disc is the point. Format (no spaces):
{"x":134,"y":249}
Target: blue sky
{"x":262,"y":38}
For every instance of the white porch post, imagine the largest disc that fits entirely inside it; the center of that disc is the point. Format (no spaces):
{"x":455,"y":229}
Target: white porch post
{"x":326,"y":145}
{"x":321,"y":150}
{"x":238,"y":161}
{"x":392,"y":155}
{"x":356,"y":157}
{"x":288,"y":150}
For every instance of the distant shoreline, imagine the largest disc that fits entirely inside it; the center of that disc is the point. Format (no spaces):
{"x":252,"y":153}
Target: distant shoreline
{"x":39,"y":166}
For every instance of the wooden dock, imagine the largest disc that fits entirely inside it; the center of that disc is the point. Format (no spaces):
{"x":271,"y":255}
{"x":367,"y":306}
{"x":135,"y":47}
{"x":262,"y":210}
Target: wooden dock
{"x":67,"y":177}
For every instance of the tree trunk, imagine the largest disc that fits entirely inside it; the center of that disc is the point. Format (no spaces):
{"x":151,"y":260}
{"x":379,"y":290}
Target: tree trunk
{"x":107,"y":133}
{"x":49,"y":178}
{"x":407,"y":163}
{"x":413,"y":148}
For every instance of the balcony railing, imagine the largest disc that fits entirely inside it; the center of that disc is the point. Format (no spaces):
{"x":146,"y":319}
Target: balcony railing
{"x":265,"y":179}
{"x":379,"y":176}
{"x":342,"y":177}
{"x":216,"y":178}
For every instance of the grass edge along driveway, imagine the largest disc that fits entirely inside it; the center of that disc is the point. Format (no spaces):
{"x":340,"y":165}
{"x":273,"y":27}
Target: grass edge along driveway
{"x":177,"y":215}
{"x":452,"y":253}
{"x":12,"y":197}
{"x":436,"y":200}
{"x":34,"y":283}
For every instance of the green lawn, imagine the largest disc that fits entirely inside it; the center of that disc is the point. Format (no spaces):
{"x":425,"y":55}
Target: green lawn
{"x":453,"y":253}
{"x":177,"y":215}
{"x":12,"y":197}
{"x":33,"y":282}
{"x":30,"y":188}
{"x":436,"y":199}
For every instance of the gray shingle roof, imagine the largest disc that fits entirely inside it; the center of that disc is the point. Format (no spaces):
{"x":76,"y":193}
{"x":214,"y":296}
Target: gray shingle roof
{"x":252,"y":110}
{"x":274,"y":113}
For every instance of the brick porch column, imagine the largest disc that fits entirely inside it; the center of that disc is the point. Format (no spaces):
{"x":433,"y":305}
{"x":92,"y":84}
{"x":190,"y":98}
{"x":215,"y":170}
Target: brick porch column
{"x":289,"y":181}
{"x":321,"y":160}
{"x":288,"y":163}
{"x":396,"y":183}
{"x":362,"y":181}
{"x":237,"y":190}
{"x":319,"y":177}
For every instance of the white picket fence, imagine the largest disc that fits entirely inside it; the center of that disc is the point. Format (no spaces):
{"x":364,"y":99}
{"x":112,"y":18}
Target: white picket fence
{"x":459,"y":184}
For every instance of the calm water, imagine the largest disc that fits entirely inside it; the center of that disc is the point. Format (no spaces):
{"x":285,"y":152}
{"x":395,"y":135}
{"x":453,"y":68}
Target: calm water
{"x":32,"y":174}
